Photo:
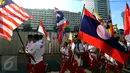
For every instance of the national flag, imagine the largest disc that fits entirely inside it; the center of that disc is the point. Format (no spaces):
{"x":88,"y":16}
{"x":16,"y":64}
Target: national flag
{"x":127,"y":23}
{"x":11,"y":16}
{"x":61,"y":21}
{"x":95,"y":34}
{"x":70,"y":37}
{"x":42,"y":30}
{"x":111,"y":28}
{"x":95,"y":13}
{"x":60,"y":34}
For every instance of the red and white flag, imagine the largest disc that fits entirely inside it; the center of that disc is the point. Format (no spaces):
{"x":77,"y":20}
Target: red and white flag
{"x":127,"y":23}
{"x":11,"y":16}
{"x":42,"y":30}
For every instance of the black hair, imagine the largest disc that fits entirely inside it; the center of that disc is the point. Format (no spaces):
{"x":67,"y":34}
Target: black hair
{"x":30,"y":36}
{"x":40,"y":36}
{"x":36,"y":37}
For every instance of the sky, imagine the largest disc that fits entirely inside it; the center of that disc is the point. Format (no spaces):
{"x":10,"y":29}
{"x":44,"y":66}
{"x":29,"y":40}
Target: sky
{"x":117,"y":7}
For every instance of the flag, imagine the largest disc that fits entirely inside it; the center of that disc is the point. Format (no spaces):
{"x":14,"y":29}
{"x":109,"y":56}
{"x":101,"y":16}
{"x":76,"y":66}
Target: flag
{"x":61,"y":21}
{"x":127,"y":23}
{"x":97,"y":15}
{"x":111,"y":28}
{"x":60,"y":34}
{"x":11,"y":16}
{"x":70,"y":37}
{"x":95,"y":34}
{"x":42,"y":30}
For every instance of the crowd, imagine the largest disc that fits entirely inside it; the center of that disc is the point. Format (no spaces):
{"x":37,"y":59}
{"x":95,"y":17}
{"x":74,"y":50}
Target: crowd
{"x":75,"y":54}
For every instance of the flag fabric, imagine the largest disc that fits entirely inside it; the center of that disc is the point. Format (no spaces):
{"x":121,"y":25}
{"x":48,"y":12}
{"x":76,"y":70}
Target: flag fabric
{"x":97,"y":15}
{"x":61,"y":21}
{"x":60,"y":34}
{"x":11,"y":16}
{"x":127,"y":23}
{"x":111,"y":28}
{"x":42,"y":30}
{"x":95,"y":34}
{"x":70,"y":37}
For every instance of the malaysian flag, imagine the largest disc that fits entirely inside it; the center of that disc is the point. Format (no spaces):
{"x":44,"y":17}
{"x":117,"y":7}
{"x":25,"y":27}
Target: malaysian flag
{"x":61,"y":21}
{"x":11,"y":16}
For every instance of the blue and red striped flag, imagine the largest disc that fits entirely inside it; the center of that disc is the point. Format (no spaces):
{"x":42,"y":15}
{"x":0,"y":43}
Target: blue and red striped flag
{"x":60,"y":34}
{"x":61,"y":21}
{"x":91,"y":29}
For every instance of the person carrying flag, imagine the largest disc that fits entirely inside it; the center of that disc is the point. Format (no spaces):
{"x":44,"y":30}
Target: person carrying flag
{"x":37,"y":66}
{"x":77,"y":49}
{"x":28,"y":45}
{"x":66,"y":58}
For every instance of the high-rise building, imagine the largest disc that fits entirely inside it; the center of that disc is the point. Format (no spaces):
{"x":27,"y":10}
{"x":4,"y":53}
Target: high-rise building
{"x":48,"y":17}
{"x":122,"y":15}
{"x":101,"y":6}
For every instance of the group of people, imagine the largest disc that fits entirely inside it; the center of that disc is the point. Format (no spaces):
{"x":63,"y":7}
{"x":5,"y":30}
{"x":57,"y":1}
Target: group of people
{"x":75,"y":53}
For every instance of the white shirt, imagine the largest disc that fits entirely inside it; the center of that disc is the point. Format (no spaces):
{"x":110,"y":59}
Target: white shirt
{"x":35,"y":50}
{"x":42,"y":48}
{"x":28,"y":45}
{"x":64,"y":50}
{"x":85,"y":46}
{"x":113,"y":61}
{"x":91,"y":48}
{"x":78,"y":59}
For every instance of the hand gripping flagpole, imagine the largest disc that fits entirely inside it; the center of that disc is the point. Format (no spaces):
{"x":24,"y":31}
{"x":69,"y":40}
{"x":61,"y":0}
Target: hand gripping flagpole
{"x":23,"y":47}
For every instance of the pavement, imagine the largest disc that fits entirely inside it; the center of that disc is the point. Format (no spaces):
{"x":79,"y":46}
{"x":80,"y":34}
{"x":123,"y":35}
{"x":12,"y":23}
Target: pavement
{"x":53,"y":62}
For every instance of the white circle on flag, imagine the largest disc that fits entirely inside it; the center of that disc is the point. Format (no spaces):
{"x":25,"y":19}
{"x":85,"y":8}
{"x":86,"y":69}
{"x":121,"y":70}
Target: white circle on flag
{"x":103,"y":33}
{"x":127,"y":37}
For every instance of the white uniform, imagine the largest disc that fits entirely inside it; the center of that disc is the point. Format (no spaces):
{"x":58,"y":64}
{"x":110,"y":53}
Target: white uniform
{"x":35,"y":50}
{"x":113,"y":61}
{"x":78,"y":59}
{"x":65,"y":51}
{"x":28,"y":45}
{"x":85,"y":46}
{"x":92,"y":49}
{"x":42,"y":48}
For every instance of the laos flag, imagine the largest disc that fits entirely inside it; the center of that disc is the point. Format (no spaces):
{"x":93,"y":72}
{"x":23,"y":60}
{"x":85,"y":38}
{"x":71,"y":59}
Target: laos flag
{"x":95,"y":34}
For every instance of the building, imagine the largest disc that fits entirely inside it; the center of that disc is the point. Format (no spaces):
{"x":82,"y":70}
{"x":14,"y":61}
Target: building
{"x":101,"y":6}
{"x":48,"y":18}
{"x":122,"y":15}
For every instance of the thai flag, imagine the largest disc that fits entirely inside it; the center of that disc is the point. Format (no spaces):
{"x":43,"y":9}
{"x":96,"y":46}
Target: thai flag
{"x":94,"y":33}
{"x":60,"y":34}
{"x":61,"y":21}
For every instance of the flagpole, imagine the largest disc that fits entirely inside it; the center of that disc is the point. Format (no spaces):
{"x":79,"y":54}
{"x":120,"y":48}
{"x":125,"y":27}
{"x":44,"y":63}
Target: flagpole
{"x":23,"y":47}
{"x":81,"y":18}
{"x":72,"y":58}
